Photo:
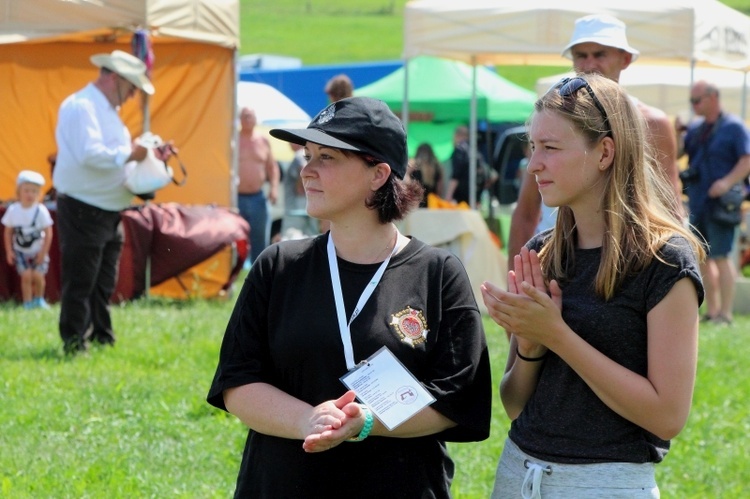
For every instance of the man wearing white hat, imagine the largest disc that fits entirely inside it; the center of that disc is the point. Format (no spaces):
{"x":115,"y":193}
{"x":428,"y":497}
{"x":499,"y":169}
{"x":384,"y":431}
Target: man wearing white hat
{"x":93,"y":146}
{"x":598,"y":45}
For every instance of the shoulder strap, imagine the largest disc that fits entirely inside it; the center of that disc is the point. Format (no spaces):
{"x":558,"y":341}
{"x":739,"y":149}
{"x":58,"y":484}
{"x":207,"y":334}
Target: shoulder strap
{"x":36,"y":214}
{"x":184,"y":171}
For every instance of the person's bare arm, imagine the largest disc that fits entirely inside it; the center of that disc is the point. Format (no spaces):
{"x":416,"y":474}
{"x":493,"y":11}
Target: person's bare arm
{"x":273,"y":173}
{"x":738,"y":174}
{"x":525,"y":217}
{"x":45,"y":246}
{"x":664,"y":142}
{"x":268,"y":410}
{"x":452,"y":184}
{"x":8,"y":242}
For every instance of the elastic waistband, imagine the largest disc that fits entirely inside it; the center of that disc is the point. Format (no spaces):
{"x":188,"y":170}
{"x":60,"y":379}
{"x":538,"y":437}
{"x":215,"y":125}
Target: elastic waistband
{"x":612,"y":475}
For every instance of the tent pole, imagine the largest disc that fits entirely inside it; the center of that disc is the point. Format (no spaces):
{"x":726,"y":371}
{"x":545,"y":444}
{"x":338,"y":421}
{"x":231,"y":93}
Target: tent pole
{"x":405,"y":100}
{"x":743,"y":106}
{"x":473,"y":136}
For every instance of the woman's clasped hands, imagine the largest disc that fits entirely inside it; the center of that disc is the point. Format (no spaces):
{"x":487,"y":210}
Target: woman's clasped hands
{"x":333,"y":422}
{"x":528,"y":309}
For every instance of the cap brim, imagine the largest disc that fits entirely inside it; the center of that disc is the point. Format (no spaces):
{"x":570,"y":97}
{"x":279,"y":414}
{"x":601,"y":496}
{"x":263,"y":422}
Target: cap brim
{"x":303,"y":135}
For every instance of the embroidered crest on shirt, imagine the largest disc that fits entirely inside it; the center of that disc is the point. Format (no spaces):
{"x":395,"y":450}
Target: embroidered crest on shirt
{"x":410,"y":325}
{"x":327,"y":114}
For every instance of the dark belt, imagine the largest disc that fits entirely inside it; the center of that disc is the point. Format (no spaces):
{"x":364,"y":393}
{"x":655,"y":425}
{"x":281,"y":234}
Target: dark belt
{"x":81,"y":204}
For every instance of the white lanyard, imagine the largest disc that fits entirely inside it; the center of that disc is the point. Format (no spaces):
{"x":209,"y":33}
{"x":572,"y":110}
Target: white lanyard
{"x":346,"y":335}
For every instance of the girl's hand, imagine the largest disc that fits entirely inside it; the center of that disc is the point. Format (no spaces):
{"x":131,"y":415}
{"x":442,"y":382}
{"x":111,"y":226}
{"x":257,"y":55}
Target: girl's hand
{"x":527,"y":269}
{"x":530,"y":315}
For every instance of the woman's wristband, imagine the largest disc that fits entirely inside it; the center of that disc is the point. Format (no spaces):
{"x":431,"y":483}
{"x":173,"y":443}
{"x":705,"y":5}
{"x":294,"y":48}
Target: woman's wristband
{"x":367,"y":428}
{"x":531,"y":359}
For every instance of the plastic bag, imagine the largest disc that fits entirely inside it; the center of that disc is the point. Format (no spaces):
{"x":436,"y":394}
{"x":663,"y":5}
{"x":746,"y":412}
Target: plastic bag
{"x":151,"y":174}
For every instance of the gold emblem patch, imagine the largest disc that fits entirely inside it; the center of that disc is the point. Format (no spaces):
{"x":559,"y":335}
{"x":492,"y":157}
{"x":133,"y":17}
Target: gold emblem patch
{"x":410,"y":325}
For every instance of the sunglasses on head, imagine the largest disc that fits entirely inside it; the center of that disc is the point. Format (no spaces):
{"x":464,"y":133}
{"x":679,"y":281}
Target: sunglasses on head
{"x":569,"y":87}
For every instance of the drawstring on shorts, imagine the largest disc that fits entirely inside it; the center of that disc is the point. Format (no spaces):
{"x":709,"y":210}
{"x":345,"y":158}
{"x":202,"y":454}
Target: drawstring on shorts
{"x":532,"y":482}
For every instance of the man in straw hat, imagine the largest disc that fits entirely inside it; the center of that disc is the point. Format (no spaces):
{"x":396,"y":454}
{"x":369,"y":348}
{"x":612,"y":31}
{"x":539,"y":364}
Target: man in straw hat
{"x":93,"y":147}
{"x":598,"y":45}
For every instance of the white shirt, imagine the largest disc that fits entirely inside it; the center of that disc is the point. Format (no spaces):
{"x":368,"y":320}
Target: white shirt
{"x":92,"y":146}
{"x":30,"y":224}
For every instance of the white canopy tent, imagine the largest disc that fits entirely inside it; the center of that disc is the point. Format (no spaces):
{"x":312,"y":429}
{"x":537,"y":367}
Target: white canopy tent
{"x":272,"y":108}
{"x":535,"y":31}
{"x":668,"y":87}
{"x":505,"y":32}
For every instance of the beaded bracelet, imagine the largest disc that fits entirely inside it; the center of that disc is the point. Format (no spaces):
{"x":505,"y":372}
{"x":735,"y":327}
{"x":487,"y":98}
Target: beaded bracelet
{"x":531,"y":359}
{"x":366,"y":429}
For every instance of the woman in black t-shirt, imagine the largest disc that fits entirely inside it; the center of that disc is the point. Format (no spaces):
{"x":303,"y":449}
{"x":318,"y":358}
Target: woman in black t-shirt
{"x":603,"y":308}
{"x":311,"y":310}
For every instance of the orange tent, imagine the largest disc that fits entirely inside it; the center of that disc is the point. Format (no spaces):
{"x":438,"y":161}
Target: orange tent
{"x":45,"y":47}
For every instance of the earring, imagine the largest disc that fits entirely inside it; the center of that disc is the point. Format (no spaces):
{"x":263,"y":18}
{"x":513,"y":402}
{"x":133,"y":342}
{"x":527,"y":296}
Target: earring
{"x":602,"y":167}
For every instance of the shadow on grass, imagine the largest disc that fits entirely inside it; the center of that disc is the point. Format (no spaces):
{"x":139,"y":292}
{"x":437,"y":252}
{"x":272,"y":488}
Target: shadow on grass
{"x":50,"y":354}
{"x":46,"y":354}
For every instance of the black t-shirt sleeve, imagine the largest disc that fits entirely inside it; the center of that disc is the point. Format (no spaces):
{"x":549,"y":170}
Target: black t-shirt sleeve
{"x":678,"y":262}
{"x":461,"y":379}
{"x":244,"y":349}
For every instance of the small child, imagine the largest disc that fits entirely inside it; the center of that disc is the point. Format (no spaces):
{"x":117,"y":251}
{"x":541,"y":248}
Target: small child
{"x":28,"y":237}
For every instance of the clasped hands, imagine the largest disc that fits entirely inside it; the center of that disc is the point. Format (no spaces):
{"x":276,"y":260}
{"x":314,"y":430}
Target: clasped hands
{"x":529,"y":309}
{"x":333,"y":422}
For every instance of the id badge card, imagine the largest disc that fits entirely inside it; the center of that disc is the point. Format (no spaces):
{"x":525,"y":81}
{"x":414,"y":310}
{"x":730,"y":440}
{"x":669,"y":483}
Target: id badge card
{"x":387,"y":388}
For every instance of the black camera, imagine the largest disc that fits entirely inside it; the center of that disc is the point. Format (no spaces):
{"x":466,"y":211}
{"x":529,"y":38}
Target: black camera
{"x":25,"y":239}
{"x":690,"y":176}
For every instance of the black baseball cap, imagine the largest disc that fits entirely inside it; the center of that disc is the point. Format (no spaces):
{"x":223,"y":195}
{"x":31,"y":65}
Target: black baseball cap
{"x":360,"y":124}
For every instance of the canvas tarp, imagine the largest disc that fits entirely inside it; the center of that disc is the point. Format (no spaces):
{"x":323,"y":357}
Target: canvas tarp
{"x":534,"y":32}
{"x":45,"y":46}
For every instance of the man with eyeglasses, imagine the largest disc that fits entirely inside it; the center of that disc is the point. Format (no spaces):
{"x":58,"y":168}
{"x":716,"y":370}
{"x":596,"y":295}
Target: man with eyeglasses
{"x":598,"y":45}
{"x":718,"y":147}
{"x":93,"y":147}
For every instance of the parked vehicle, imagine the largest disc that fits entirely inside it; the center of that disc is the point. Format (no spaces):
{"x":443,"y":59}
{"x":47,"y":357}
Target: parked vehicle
{"x":506,"y":160}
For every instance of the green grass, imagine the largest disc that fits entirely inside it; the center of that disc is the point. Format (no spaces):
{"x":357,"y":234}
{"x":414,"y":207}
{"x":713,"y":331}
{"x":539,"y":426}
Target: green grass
{"x":131,"y":421}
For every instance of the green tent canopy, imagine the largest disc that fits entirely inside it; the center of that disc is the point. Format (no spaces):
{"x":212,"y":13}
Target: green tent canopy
{"x":440,"y":90}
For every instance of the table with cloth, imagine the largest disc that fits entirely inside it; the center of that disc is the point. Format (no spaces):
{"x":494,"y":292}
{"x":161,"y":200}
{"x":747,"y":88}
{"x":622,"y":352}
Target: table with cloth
{"x":465,"y":234}
{"x":168,"y":242}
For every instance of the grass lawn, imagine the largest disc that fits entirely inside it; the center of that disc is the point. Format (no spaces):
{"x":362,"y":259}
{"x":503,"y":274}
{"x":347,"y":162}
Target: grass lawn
{"x":131,"y":421}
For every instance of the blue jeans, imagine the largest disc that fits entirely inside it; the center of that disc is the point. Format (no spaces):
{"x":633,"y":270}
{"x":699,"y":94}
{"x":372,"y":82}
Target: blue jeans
{"x":719,"y":239}
{"x":254,"y":208}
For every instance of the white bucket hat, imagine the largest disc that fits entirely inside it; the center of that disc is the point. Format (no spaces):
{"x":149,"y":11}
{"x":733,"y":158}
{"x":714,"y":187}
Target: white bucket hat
{"x":29,"y":177}
{"x":602,"y":29}
{"x":128,"y":66}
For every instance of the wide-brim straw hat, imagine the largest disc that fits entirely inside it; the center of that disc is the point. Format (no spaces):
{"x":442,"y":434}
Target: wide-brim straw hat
{"x":126,"y":65}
